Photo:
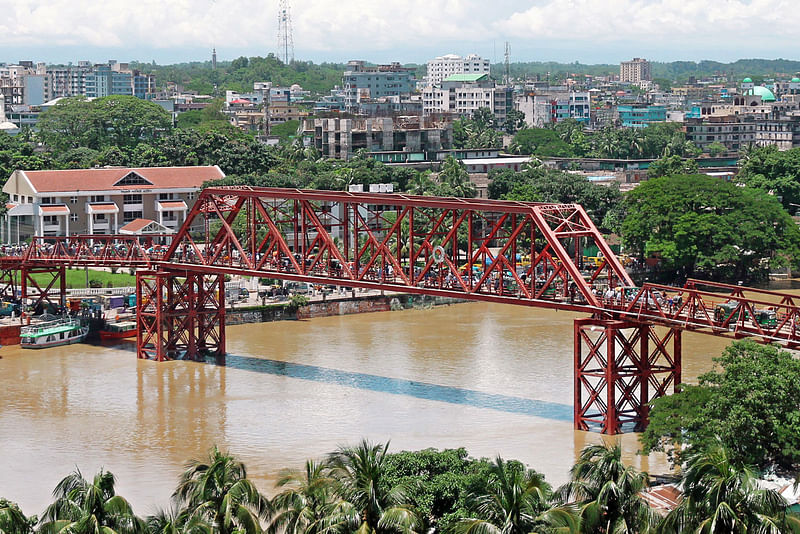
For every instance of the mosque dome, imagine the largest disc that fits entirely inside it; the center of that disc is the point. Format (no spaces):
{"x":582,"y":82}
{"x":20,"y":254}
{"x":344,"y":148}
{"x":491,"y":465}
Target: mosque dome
{"x":747,"y":80}
{"x":795,"y":80}
{"x":765,"y":94}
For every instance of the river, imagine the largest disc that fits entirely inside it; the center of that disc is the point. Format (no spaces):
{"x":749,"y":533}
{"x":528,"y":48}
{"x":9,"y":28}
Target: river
{"x":496,"y":379}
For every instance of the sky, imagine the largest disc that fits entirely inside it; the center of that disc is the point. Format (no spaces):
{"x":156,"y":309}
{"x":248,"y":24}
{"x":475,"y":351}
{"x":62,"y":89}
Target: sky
{"x":409,"y":31}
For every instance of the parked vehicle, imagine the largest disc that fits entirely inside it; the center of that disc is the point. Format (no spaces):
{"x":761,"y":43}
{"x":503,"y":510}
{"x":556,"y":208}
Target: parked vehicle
{"x":9,"y":308}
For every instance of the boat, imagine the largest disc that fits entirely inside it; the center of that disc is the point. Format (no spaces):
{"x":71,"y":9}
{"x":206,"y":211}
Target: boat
{"x":118,"y":330}
{"x":53,"y":333}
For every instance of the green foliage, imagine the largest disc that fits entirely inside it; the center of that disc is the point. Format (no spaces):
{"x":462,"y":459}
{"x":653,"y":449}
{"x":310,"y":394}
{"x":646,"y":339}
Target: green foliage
{"x":670,"y":166}
{"x":217,"y":491}
{"x":748,"y":402}
{"x":454,"y":179}
{"x":12,"y":520}
{"x":285,"y":130}
{"x":208,"y":118}
{"x":538,"y":184}
{"x":298,"y":301}
{"x":702,"y":225}
{"x":239,"y":74}
{"x":608,"y":493}
{"x":716,"y":149}
{"x":542,"y":142}
{"x":120,"y":121}
{"x":439,"y":483}
{"x":83,"y":507}
{"x":476,"y":132}
{"x":772,"y":170}
{"x":723,"y":496}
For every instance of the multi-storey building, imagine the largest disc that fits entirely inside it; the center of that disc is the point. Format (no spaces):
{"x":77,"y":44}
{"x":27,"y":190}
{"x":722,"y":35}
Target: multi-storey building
{"x":100,"y":201}
{"x":443,"y":67}
{"x":340,"y":138}
{"x":733,"y":131}
{"x":641,"y":115}
{"x":554,"y":107}
{"x":463,"y":94}
{"x":362,"y":81}
{"x":635,"y":71}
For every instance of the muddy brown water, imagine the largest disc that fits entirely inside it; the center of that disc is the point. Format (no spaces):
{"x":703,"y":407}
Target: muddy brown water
{"x":496,"y":379}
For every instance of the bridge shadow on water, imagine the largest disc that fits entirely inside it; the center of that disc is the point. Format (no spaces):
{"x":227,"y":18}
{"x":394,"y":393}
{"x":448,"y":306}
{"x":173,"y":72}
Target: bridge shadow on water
{"x":409,"y":388}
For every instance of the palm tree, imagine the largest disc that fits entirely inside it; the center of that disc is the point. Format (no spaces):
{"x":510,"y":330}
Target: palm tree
{"x":420,"y":184}
{"x":608,"y":492}
{"x":722,"y":497}
{"x":219,"y":492}
{"x":518,"y":501}
{"x":358,"y":472}
{"x":12,"y":520}
{"x":176,"y":521}
{"x":308,"y":503}
{"x":454,"y":175}
{"x":83,"y":507}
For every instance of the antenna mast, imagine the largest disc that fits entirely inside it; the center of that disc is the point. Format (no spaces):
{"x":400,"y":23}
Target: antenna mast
{"x":285,"y":39}
{"x":508,"y":64}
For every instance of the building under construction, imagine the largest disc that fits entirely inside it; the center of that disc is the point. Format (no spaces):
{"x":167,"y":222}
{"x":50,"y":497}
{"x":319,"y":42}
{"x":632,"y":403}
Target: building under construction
{"x":340,"y":138}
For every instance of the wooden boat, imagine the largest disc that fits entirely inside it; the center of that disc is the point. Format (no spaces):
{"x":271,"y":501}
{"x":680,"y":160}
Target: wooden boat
{"x":118,"y":330}
{"x":60,"y":331}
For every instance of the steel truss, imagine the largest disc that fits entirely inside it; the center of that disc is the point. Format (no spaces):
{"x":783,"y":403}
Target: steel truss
{"x":499,"y":251}
{"x":180,"y":315}
{"x":514,"y":252}
{"x":620,"y":366}
{"x":56,"y":281}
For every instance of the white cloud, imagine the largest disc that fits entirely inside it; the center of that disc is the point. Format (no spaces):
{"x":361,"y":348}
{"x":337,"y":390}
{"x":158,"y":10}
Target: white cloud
{"x":362,"y":28}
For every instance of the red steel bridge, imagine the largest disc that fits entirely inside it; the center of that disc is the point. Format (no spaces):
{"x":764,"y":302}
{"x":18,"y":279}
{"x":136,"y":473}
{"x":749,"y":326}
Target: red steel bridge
{"x":627,"y":348}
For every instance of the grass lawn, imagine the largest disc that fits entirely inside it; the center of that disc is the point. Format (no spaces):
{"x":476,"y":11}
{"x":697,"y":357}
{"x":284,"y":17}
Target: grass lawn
{"x":76,"y":278}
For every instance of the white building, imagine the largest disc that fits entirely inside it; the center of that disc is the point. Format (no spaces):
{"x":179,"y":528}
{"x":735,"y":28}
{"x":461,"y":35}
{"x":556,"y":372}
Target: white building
{"x":445,"y":66}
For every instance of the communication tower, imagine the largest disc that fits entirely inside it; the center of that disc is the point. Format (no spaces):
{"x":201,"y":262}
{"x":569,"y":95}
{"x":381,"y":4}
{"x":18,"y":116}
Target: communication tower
{"x":285,"y":39}
{"x":508,"y":64}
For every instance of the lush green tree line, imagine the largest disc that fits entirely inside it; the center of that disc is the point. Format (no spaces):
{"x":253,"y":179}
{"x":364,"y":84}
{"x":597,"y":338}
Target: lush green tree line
{"x":568,"y":139}
{"x":364,"y":489}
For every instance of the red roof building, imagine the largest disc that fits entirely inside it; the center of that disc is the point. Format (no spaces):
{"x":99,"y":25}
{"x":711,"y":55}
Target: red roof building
{"x":101,"y":200}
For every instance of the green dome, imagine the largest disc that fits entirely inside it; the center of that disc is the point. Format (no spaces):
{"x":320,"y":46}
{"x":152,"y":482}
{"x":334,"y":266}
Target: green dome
{"x":747,"y":80}
{"x":765,"y":94}
{"x":795,"y":80}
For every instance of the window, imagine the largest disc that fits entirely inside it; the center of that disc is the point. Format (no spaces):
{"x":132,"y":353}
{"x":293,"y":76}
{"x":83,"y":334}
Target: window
{"x":73,"y":200}
{"x":73,"y":217}
{"x":100,"y":217}
{"x":50,"y":219}
{"x":46,"y":200}
{"x":16,"y":198}
{"x":128,"y":216}
{"x":165,"y":196}
{"x":132,"y":199}
{"x":190,"y":195}
{"x":97,"y":198}
{"x":133,"y":178}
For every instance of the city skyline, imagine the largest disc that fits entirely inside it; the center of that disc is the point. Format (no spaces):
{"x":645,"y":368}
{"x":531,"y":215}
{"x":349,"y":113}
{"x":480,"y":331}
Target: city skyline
{"x":587,"y":31}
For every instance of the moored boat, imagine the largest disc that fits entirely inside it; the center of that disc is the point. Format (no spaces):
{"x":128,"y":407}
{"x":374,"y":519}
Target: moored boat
{"x":61,"y":331}
{"x":118,"y":330}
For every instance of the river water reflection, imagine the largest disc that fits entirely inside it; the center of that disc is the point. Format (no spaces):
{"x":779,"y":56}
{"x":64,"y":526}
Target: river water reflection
{"x":492,"y":378}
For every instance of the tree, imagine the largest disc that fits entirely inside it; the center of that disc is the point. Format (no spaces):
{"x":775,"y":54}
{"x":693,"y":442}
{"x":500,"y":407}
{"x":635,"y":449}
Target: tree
{"x":515,"y":120}
{"x":70,"y":124}
{"x":723,"y":497}
{"x":748,"y":402}
{"x":83,"y":507}
{"x":772,"y":170}
{"x":716,"y":149}
{"x":307,"y":503}
{"x":516,"y":501}
{"x":607,"y":492}
{"x":218,"y":491}
{"x":670,"y":166}
{"x":542,"y":142}
{"x":547,"y":185}
{"x":359,"y":473}
{"x":12,"y":520}
{"x":703,"y":225}
{"x":454,"y":179}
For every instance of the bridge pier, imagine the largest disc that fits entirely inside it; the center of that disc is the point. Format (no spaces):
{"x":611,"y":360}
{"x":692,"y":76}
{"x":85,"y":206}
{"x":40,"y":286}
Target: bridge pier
{"x":180,"y":315}
{"x":57,"y":280}
{"x":620,"y":366}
